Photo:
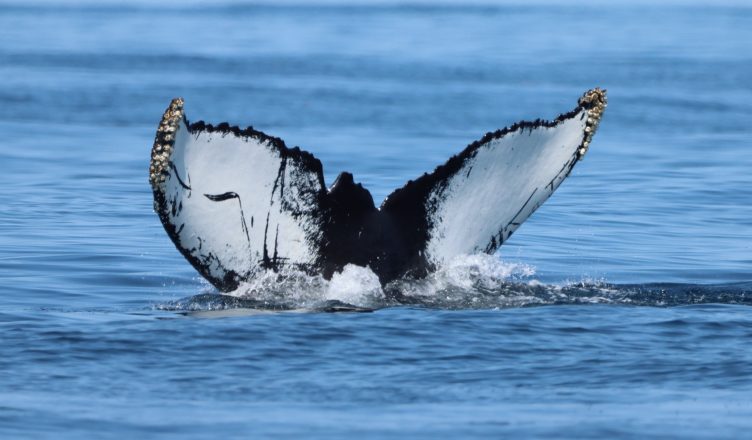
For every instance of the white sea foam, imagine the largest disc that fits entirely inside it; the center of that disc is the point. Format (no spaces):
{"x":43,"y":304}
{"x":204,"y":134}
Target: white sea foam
{"x":355,"y":285}
{"x":465,"y":282}
{"x":480,"y":271}
{"x":459,"y":281}
{"x":471,"y":281}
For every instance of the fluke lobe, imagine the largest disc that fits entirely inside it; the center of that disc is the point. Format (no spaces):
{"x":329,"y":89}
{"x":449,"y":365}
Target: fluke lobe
{"x":237,"y":202}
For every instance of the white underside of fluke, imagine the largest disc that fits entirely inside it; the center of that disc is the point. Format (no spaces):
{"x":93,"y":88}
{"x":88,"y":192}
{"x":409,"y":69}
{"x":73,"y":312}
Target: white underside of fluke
{"x":235,"y":206}
{"x":500,"y":187}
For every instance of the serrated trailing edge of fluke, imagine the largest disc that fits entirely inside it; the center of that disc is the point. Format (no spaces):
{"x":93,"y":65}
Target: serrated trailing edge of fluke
{"x":164,"y":142}
{"x":595,"y":102}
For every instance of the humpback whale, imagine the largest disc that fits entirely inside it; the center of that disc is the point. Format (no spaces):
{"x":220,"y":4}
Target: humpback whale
{"x":238,"y":202}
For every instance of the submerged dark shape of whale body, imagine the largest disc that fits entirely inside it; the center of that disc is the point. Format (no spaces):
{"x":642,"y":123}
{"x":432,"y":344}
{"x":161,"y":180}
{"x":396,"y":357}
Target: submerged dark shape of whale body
{"x":237,"y":202}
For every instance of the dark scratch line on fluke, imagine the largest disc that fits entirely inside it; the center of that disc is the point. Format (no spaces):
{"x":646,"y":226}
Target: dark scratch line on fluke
{"x":279,"y":182}
{"x":511,"y":222}
{"x":177,"y":175}
{"x":276,"y":241}
{"x":228,"y":196}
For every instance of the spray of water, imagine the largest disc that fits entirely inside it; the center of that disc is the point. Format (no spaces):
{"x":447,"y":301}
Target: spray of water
{"x":466,"y":282}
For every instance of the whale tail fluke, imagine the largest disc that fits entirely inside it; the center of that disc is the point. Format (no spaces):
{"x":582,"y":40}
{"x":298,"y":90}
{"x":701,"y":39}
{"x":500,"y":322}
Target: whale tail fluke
{"x":236,"y":202}
{"x":478,"y":198}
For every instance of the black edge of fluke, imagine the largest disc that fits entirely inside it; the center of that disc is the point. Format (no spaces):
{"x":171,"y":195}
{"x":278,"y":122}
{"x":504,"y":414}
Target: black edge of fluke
{"x":594,"y":101}
{"x":305,"y":158}
{"x":390,"y":240}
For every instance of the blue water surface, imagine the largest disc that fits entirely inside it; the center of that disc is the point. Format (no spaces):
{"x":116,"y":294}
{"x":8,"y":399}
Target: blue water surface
{"x":627,"y":311}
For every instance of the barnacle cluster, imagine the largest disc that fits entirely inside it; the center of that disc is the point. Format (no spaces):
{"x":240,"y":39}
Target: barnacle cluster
{"x":595,"y":102}
{"x":164,"y":141}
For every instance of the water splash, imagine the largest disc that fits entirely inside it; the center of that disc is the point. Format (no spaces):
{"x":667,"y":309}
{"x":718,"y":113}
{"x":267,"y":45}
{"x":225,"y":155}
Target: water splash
{"x":466,"y":282}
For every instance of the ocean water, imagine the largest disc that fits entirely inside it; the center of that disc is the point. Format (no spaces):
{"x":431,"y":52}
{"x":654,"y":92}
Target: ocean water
{"x":621,"y":309}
